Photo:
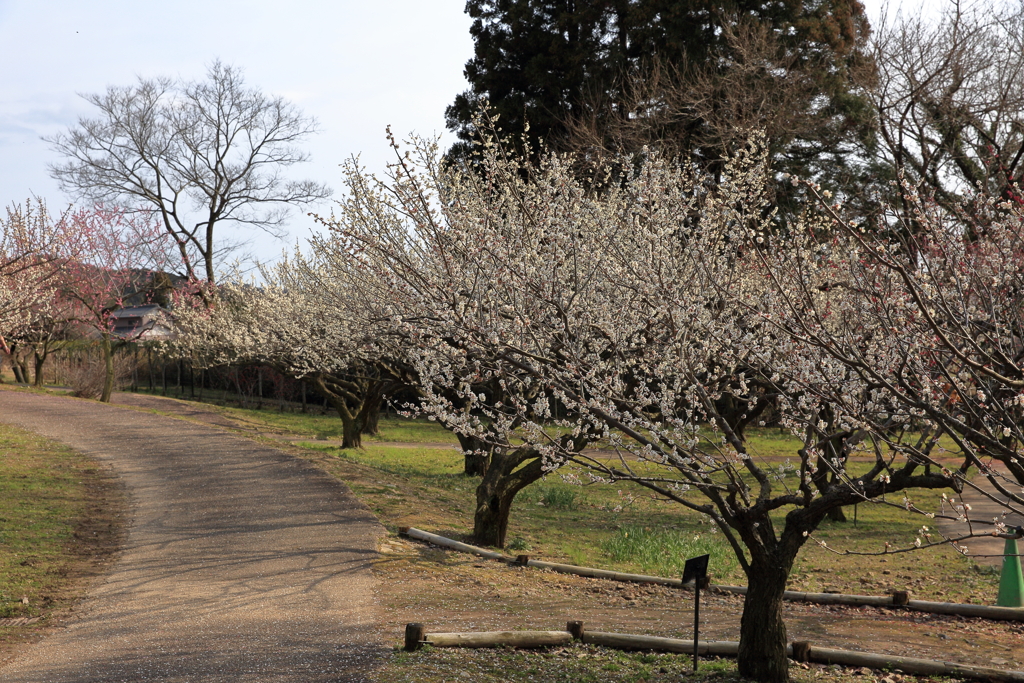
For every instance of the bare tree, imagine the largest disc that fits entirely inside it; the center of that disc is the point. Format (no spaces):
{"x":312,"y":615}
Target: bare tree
{"x":198,"y":153}
{"x":949,"y":98}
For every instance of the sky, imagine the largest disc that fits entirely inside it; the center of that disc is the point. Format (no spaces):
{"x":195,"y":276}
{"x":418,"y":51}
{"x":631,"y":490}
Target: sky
{"x":356,"y":66}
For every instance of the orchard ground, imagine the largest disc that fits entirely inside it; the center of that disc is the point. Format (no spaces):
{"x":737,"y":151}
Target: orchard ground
{"x":410,"y":477}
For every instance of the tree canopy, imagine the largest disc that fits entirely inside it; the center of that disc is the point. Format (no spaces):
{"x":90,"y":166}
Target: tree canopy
{"x":660,"y":72}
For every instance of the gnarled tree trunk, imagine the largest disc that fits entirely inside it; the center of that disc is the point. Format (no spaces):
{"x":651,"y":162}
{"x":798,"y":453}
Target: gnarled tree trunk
{"x":498,"y":488}
{"x":762,"y":652}
{"x":351,"y":425}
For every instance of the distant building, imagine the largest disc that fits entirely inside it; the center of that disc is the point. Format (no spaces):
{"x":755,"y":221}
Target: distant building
{"x":143,"y":323}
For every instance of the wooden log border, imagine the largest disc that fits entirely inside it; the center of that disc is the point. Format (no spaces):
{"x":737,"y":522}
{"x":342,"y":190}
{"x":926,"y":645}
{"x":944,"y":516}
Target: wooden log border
{"x":899,"y":599}
{"x":798,"y":651}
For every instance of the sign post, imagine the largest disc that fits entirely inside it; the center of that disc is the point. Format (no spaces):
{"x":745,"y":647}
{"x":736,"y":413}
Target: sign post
{"x":696,"y":570}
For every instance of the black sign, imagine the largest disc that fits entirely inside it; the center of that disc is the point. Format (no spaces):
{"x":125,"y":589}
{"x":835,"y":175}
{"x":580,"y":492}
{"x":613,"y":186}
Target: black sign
{"x":695,"y":569}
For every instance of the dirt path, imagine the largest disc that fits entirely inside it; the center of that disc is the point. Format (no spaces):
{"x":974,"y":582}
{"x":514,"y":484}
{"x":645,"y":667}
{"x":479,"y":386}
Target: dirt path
{"x":451,"y":591}
{"x":984,"y":549}
{"x":241,"y":563}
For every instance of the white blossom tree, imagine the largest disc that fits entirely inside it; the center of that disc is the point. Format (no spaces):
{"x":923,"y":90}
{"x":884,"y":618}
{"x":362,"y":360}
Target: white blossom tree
{"x":932,"y":324}
{"x":458,"y":387}
{"x":33,"y":248}
{"x":646,"y":311}
{"x":281,"y":323}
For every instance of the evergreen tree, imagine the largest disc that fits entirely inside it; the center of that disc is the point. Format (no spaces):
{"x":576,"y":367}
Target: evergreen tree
{"x":533,"y":61}
{"x":690,"y":76}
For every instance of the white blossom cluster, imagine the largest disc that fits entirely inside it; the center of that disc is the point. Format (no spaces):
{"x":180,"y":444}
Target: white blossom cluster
{"x":32,"y":245}
{"x":283,"y":321}
{"x":929,"y":320}
{"x":657,"y":310}
{"x":292,"y":322}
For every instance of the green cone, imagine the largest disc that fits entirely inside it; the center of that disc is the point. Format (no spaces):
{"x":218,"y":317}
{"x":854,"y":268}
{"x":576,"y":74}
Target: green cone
{"x":1011,"y":582}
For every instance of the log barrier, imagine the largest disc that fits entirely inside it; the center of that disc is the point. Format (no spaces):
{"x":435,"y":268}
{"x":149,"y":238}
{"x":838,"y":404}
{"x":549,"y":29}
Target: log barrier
{"x":800,"y":651}
{"x":898,"y":599}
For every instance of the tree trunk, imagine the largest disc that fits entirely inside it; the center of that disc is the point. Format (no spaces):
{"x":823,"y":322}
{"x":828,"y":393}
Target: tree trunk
{"x":475,"y":455}
{"x":762,"y":650}
{"x":836,"y":515}
{"x":352,"y":435}
{"x":371,"y":408}
{"x":498,"y":488}
{"x":108,"y":366}
{"x":40,"y":359}
{"x":351,"y":424}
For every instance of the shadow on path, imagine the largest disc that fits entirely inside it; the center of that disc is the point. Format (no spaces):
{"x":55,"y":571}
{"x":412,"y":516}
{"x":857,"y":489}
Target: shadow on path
{"x":241,"y":563}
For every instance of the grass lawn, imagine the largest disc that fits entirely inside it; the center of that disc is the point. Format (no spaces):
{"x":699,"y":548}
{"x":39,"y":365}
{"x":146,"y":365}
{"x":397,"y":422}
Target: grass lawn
{"x":579,"y":663}
{"x":59,"y":522}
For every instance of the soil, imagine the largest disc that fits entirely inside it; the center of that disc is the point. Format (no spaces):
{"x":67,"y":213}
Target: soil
{"x":240,"y":564}
{"x":450,"y":591}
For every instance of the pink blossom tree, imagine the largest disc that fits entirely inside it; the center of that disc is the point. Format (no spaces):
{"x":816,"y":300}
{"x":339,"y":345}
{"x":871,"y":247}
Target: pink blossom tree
{"x":116,"y":254}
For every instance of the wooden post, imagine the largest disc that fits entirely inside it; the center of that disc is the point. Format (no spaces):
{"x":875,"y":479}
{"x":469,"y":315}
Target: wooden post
{"x":696,"y":622}
{"x":576,"y":629}
{"x":499,"y":639}
{"x":259,"y":387}
{"x":801,"y":651}
{"x":414,"y":635}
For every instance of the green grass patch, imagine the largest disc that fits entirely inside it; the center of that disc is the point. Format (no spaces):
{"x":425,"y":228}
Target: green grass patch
{"x":559,"y":496}
{"x":663,"y":552}
{"x":45,"y":494}
{"x":577,"y":663}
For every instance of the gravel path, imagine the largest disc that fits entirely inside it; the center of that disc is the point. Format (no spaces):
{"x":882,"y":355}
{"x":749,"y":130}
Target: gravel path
{"x":241,"y":563}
